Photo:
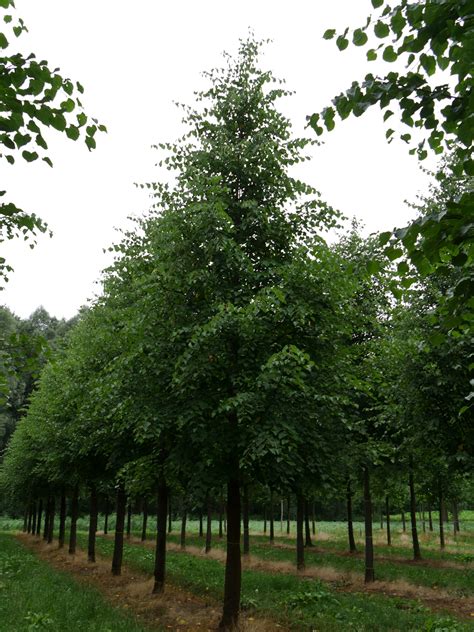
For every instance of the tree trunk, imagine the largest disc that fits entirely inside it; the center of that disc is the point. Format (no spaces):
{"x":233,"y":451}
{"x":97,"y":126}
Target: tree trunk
{"x":264,"y":520}
{"x":233,"y":568}
{"x":272,"y":519}
{"x":245,"y":516}
{"x":30,"y":519}
{"x":201,"y":529}
{"x":441,"y":511}
{"x":313,"y":519}
{"x":307,"y":530}
{"x":456,"y":517}
{"x":93,"y":513}
{"x":423,"y":521}
{"x":74,"y":513}
{"x":387,"y":517}
{"x":381,"y":518}
{"x":106,"y":519}
{"x":52,"y":511}
{"x":47,"y":514}
{"x":25,"y":518}
{"x":183,"y":527}
{"x":300,"y":565}
{"x":404,"y":522}
{"x":281,"y":515}
{"x":221,"y":517}
{"x":369,"y":543}
{"x":160,"y":553}
{"x":170,"y":521}
{"x":40,"y":513}
{"x":129,"y":520}
{"x":119,"y":526}
{"x":288,"y":521}
{"x":414,"y":531}
{"x":32,"y":526}
{"x":350,"y":525}
{"x":62,"y":521}
{"x":145,"y":519}
{"x":208,"y":526}
{"x":430,"y":519}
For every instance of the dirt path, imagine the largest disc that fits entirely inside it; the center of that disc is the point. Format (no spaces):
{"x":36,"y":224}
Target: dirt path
{"x":175,"y":610}
{"x":345,"y":581}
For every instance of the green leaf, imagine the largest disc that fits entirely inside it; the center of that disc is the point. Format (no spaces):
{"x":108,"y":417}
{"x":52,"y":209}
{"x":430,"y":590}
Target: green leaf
{"x":429,"y":63}
{"x":3,"y":41}
{"x":377,"y":3}
{"x":393,"y":253}
{"x":90,"y":142}
{"x":403,"y":267}
{"x":384,"y":238}
{"x":68,"y":105}
{"x":7,"y":19}
{"x":389,"y":54}
{"x":6,"y":3}
{"x":329,"y":34}
{"x":72,"y":132}
{"x":373,"y":267}
{"x":21,"y":139}
{"x":381,"y":29}
{"x":342,"y":42}
{"x":29,"y":156}
{"x":81,"y":119}
{"x":359,"y":37}
{"x":371,"y":55}
{"x":48,"y":161}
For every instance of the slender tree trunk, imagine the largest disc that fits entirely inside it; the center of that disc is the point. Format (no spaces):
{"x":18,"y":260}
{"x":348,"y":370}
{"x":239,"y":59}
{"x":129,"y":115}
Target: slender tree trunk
{"x":208,"y":526}
{"x":387,"y":517}
{"x":170,"y":520}
{"x":52,"y":512}
{"x":300,"y":565}
{"x":272,"y":519}
{"x":307,"y":530}
{"x":119,"y":527}
{"x":25,"y":518}
{"x":221,"y":517}
{"x":313,"y":518}
{"x":456,"y":517}
{"x":129,"y":520}
{"x":233,"y":568}
{"x":430,"y":519}
{"x":93,"y":514}
{"x":441,"y":511}
{"x":183,"y":527}
{"x":47,"y":515}
{"x":414,"y":531}
{"x":350,"y":525}
{"x":264,"y":520}
{"x":160,"y":553}
{"x":281,"y":515}
{"x":201,"y":527}
{"x":33,"y":518}
{"x":40,"y":513}
{"x":106,"y":519}
{"x":74,"y":513}
{"x":404,"y":522}
{"x":145,"y":519}
{"x":423,"y":521}
{"x":369,"y":543}
{"x":288,"y":521}
{"x":30,"y":519}
{"x":62,"y":521}
{"x":245,"y":516}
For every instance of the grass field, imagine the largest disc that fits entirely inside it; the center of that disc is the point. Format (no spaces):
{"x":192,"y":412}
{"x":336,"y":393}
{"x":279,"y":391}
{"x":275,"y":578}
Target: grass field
{"x":432,"y":596}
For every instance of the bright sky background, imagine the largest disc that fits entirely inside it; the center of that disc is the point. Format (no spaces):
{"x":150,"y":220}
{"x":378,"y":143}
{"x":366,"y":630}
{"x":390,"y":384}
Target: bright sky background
{"x":134,"y":59}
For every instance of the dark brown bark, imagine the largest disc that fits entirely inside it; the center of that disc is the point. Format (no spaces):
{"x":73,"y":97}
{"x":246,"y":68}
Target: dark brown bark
{"x":30,"y":519}
{"x":245,"y":519}
{"x":129,"y":520}
{"x":160,"y":552}
{"x":40,"y":513}
{"x":183,"y":527}
{"x":208,"y":526}
{"x":25,"y":519}
{"x":32,"y":526}
{"x":381,"y":518}
{"x":93,"y":515}
{"x":307,"y":530}
{"x":62,"y":521}
{"x":369,"y":543}
{"x":387,"y":517}
{"x":145,"y":519}
{"x":233,"y":568}
{"x":272,"y":519}
{"x":404,"y":522}
{"x":441,"y":512}
{"x":288,"y":522}
{"x":221,"y":517}
{"x":74,"y":513}
{"x":350,"y":525}
{"x":46,"y":519}
{"x":106,"y":519}
{"x":52,"y":512}
{"x":300,"y":565}
{"x":423,"y":521}
{"x":170,"y":520}
{"x":456,"y":525}
{"x":313,"y":519}
{"x":201,"y":526}
{"x":430,"y":519}
{"x":414,"y":531}
{"x":265,"y":520}
{"x":119,"y":527}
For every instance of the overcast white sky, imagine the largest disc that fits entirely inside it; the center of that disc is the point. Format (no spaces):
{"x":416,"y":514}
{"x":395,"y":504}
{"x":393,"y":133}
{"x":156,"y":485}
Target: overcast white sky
{"x":134,"y":59}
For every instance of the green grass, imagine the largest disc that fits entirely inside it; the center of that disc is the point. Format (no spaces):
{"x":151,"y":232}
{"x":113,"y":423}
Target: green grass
{"x":304,"y":603}
{"x":33,"y":596}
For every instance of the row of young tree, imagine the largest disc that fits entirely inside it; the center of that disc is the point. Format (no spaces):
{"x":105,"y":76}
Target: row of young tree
{"x":232,"y":346}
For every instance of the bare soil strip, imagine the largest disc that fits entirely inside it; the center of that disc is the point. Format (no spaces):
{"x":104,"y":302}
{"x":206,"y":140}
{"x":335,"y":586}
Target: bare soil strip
{"x":176,"y":609}
{"x":345,"y":581}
